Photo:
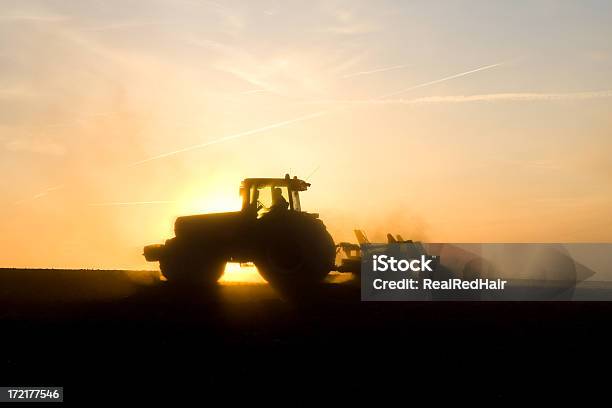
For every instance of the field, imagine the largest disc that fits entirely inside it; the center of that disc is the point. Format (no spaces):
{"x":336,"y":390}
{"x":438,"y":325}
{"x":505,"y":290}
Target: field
{"x":105,"y":333}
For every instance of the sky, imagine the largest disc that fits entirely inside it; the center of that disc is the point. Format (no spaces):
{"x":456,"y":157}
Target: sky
{"x":454,"y":121}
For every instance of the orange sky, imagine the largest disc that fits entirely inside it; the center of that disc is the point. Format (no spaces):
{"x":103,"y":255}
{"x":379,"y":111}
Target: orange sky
{"x":451,"y":123}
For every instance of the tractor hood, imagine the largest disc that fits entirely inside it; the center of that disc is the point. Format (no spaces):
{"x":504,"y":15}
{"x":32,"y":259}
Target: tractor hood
{"x":208,"y":226}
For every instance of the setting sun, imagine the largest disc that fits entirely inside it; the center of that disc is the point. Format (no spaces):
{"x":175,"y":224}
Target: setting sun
{"x":236,"y":273}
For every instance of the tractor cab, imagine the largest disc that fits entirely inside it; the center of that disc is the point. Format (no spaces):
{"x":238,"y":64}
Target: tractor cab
{"x":263,"y":195}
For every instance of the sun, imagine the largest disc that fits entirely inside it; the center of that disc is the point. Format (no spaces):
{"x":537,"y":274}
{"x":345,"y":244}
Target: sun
{"x":218,"y":200}
{"x":237,"y":273}
{"x":209,"y":199}
{"x":218,"y":204}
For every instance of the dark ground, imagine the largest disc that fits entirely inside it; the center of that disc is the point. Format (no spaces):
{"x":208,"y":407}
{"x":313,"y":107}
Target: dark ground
{"x":105,"y":334}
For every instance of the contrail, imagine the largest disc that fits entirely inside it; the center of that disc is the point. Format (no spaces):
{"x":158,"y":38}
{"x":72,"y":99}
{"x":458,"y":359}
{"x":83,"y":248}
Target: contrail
{"x":255,"y":131}
{"x":312,"y":172}
{"x":441,"y":80}
{"x":499,"y":97}
{"x":374,"y":71}
{"x":382,"y":98}
{"x":300,"y":119}
{"x":234,"y":136}
{"x":119,"y":203}
{"x":516,"y":96}
{"x":39,"y":195}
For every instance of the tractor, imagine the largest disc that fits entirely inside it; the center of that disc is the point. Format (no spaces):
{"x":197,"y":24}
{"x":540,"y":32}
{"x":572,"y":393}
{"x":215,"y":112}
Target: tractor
{"x":287,"y":245}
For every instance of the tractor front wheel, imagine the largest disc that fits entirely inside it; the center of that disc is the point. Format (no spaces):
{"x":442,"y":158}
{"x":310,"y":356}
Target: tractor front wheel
{"x":188,"y":267}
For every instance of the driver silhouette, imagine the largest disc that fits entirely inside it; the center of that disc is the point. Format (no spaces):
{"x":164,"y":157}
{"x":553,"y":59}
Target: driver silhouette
{"x":278,"y":201}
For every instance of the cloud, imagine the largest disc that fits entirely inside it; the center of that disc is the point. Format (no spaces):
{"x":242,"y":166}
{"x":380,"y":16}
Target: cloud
{"x":495,"y":97}
{"x":130,"y":24}
{"x":346,"y":22}
{"x":235,"y":61}
{"x":253,"y":91}
{"x":351,"y":29}
{"x":287,"y":73}
{"x":33,"y":18}
{"x":249,"y":77}
{"x":232,"y":19}
{"x":347,"y":63}
{"x":517,"y":96}
{"x":16,"y":93}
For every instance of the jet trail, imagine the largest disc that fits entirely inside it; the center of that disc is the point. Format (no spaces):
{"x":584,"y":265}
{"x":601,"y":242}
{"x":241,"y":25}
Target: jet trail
{"x":255,"y":131}
{"x":499,"y":97}
{"x":301,"y":118}
{"x":437,"y":81}
{"x":39,"y":195}
{"x":234,"y":136}
{"x":374,"y":71}
{"x":119,"y":203}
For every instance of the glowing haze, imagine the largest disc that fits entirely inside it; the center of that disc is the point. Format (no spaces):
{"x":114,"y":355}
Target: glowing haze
{"x":465,"y":121}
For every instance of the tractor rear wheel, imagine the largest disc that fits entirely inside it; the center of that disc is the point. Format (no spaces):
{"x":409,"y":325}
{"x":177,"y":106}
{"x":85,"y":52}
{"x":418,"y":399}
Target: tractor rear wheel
{"x":295,"y":250}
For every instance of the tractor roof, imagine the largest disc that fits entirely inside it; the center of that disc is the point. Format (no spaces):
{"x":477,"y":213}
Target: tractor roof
{"x":293,"y":183}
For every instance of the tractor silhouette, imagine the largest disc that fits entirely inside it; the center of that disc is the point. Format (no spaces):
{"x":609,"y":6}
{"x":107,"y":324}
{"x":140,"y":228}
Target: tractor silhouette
{"x":287,"y":245}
